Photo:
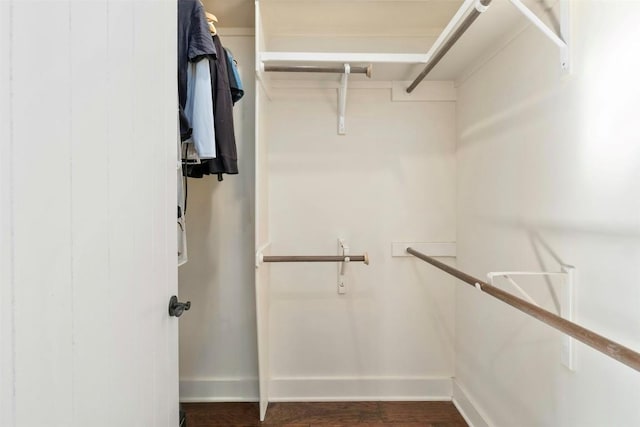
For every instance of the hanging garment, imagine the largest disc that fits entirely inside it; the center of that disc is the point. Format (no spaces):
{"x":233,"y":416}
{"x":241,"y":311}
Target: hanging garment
{"x":226,"y":160}
{"x":237,"y":91}
{"x":194,"y":43}
{"x":199,"y":109}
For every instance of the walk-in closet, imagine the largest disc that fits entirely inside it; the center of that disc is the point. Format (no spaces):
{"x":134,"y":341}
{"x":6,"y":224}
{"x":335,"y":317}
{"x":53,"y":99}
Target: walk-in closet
{"x":389,"y":212}
{"x":487,"y":165}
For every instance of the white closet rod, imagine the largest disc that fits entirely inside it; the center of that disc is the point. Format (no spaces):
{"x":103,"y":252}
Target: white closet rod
{"x":608,"y":347}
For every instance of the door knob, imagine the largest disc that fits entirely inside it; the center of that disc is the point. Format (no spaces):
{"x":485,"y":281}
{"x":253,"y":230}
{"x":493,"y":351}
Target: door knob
{"x":176,"y":308}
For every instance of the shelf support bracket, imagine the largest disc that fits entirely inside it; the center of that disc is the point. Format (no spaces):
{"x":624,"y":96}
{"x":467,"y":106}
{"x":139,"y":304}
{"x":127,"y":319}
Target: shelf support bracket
{"x":566,"y":302}
{"x":562,"y":40}
{"x":342,"y":100}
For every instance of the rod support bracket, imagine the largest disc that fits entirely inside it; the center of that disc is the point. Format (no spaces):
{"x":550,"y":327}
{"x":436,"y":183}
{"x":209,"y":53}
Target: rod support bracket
{"x":565,"y":33}
{"x":561,"y":40}
{"x":566,"y":303}
{"x":343,"y":250}
{"x":342,"y":100}
{"x":260,"y":254}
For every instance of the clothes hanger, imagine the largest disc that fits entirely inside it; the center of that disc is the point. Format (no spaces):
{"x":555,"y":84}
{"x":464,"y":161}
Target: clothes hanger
{"x":212,"y":28}
{"x":211,"y":18}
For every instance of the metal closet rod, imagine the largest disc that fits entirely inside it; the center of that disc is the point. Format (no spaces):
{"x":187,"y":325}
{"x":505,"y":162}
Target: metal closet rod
{"x":446,"y":47}
{"x":604,"y":345}
{"x":316,"y":258}
{"x":317,"y":69}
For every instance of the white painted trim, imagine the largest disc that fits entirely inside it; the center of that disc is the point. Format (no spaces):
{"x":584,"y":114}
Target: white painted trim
{"x":262,"y":300}
{"x":219,"y":390}
{"x":341,"y":389}
{"x":381,"y":58}
{"x":468,"y":408}
{"x":421,"y":33}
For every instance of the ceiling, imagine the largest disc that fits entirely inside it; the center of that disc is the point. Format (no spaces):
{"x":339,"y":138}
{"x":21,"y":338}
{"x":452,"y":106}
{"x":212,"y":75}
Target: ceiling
{"x":232,"y":13}
{"x":357,"y":18}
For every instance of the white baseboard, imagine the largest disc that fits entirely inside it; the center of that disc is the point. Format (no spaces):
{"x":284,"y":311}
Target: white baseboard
{"x":360,"y":389}
{"x":335,"y":389}
{"x":468,"y":408}
{"x":219,"y":390}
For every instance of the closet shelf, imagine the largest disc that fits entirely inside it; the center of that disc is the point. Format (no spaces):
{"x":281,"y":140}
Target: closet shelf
{"x":393,"y":36}
{"x":376,"y":58}
{"x":356,"y":18}
{"x":396,"y":37}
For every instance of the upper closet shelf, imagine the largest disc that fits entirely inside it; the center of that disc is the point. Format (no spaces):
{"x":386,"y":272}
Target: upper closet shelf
{"x":386,"y":58}
{"x":400,"y":37}
{"x":391,"y":35}
{"x":355,"y":18}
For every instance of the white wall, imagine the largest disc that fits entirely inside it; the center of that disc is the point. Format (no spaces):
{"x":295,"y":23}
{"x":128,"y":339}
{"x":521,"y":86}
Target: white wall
{"x":391,"y":178}
{"x":7,"y":373}
{"x":548,"y":159}
{"x":218,"y":350}
{"x":88,"y":145}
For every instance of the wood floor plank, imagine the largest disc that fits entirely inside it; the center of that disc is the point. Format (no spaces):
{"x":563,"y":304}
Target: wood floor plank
{"x":374,"y":425}
{"x":325,"y":414}
{"x":222,"y":414}
{"x":421,"y":412}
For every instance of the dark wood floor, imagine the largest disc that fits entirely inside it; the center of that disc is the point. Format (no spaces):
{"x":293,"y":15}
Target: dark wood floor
{"x":358,"y":414}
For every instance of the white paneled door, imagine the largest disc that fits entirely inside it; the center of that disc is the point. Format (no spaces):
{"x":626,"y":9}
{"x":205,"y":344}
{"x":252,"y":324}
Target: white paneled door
{"x":88,"y":203}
